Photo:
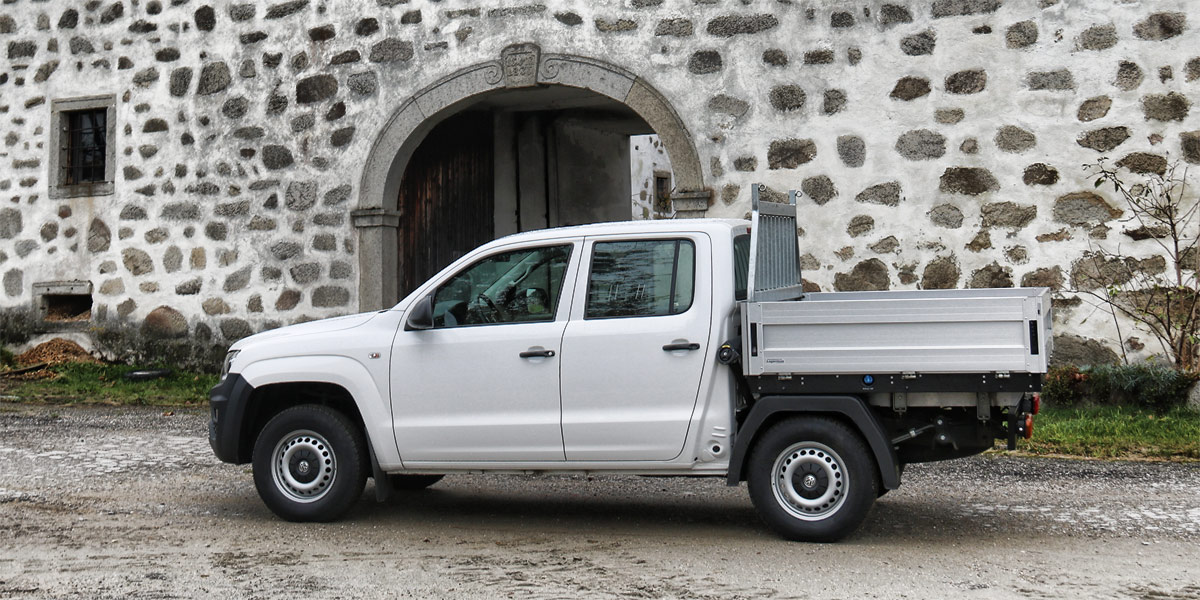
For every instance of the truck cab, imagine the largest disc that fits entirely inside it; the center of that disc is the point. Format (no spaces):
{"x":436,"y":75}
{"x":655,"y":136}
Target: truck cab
{"x":575,"y":346}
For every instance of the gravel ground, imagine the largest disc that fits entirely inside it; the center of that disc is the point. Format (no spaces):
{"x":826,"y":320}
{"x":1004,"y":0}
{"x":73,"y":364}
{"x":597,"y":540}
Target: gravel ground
{"x":130,"y":503}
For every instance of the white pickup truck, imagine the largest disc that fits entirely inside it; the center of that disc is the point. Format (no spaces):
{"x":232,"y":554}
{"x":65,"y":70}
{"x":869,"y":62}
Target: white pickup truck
{"x":655,"y":348}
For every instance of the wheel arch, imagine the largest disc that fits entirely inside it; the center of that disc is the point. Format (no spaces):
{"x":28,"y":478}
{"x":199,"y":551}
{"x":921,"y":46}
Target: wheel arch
{"x":268,"y":400}
{"x":851,"y":410}
{"x":336,"y":381}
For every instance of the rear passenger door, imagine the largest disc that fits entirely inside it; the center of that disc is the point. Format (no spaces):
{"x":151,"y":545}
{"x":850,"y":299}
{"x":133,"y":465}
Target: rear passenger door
{"x":634,"y":349}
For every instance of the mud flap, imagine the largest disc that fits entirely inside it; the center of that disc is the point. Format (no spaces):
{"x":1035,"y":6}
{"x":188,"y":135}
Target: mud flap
{"x":383,"y":484}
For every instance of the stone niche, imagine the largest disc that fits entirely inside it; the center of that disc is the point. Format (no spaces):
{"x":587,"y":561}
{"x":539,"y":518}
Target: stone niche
{"x":63,"y":305}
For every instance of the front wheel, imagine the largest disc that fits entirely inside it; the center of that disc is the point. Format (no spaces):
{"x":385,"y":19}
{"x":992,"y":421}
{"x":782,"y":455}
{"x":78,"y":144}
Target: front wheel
{"x":812,"y":479}
{"x":309,"y":464}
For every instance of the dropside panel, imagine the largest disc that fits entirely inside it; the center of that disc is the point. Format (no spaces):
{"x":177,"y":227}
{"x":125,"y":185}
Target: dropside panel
{"x":977,"y":331}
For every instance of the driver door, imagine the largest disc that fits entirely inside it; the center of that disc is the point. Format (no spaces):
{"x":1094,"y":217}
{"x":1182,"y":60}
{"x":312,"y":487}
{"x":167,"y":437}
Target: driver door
{"x":482,"y":384}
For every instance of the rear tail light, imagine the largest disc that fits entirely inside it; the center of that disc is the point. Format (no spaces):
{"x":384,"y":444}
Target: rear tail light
{"x":1028,"y":426}
{"x":1036,"y":407}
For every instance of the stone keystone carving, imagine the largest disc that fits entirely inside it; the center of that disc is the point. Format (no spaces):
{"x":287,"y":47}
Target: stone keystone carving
{"x":520,"y":64}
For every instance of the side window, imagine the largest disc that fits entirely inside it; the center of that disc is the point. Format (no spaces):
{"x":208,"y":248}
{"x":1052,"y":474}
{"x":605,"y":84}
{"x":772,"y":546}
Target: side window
{"x":522,"y":286}
{"x":641,"y":278}
{"x":741,"y":265}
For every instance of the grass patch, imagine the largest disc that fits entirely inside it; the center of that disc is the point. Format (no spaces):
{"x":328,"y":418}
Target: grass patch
{"x":83,"y":383}
{"x":1115,"y":432}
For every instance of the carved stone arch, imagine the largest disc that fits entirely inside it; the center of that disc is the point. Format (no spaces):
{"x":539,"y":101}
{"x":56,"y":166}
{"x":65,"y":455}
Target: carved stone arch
{"x":520,"y":65}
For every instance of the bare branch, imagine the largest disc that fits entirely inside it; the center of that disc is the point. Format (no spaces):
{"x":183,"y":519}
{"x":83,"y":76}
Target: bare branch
{"x":1154,"y":293}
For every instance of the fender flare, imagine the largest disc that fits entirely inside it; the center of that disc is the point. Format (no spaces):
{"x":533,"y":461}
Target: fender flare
{"x":227,"y":407}
{"x":850,"y":407}
{"x":230,"y":400}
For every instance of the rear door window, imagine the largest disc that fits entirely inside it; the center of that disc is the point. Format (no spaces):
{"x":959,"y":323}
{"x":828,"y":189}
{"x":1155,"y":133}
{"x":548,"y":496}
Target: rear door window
{"x":641,"y":278}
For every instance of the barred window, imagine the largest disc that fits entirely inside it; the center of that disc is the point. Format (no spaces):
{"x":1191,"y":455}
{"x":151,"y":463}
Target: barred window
{"x":87,"y":133}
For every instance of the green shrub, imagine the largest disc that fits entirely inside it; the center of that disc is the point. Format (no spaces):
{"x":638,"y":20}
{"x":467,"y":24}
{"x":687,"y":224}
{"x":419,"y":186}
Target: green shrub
{"x":16,"y":325}
{"x":128,"y":344}
{"x":1063,"y":386}
{"x":1147,"y":385}
{"x":7,"y":358}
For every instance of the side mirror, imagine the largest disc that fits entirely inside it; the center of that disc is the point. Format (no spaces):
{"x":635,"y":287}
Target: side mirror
{"x":421,"y":315}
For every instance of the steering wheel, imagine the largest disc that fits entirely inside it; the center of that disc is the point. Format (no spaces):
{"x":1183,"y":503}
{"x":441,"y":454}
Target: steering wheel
{"x":493,"y":313}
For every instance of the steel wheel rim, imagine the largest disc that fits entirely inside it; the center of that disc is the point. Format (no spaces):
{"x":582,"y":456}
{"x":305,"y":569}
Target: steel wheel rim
{"x":303,"y":466}
{"x":810,"y":481}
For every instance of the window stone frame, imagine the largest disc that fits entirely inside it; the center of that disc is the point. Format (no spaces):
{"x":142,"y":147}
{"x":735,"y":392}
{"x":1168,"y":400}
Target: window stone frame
{"x":661,"y":204}
{"x":58,"y":187}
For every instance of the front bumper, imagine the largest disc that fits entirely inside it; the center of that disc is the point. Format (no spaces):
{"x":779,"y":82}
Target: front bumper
{"x":227,"y":410}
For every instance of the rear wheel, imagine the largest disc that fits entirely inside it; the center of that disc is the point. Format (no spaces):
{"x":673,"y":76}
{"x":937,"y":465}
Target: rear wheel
{"x":309,"y":464}
{"x":812,"y":479}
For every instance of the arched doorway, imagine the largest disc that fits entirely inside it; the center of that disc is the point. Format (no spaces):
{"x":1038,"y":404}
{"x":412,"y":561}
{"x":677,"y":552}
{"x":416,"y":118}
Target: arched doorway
{"x":445,"y":206}
{"x":535,"y":138}
{"x":512,"y":161}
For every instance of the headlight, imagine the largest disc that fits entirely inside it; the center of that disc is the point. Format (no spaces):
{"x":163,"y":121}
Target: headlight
{"x":229,"y":356}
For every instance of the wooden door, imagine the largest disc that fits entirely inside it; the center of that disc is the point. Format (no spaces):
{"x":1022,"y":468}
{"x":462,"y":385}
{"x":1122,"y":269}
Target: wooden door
{"x":445,"y":203}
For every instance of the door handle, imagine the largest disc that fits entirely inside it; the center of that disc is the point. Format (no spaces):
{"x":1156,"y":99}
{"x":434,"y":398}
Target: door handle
{"x":537,"y":354}
{"x":681,"y":346}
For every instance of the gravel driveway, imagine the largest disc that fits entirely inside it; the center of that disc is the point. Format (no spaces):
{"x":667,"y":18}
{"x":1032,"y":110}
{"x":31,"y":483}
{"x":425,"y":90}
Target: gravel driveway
{"x":130,"y":503}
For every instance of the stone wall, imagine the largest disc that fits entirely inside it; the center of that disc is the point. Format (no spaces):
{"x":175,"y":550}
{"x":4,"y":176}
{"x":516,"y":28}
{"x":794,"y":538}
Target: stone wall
{"x":938,"y":143}
{"x":648,"y":156}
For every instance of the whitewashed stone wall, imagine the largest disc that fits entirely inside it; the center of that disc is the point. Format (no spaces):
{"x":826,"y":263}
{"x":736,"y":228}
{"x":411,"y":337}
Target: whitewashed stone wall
{"x":647,"y":157}
{"x":938,"y":143}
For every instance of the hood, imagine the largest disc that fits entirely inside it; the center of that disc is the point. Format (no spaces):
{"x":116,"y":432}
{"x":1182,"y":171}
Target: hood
{"x":312,"y":327}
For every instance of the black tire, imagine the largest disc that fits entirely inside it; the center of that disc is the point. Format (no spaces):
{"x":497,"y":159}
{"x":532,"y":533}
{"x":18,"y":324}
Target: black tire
{"x":812,"y":479}
{"x":412,"y":483}
{"x":147,"y":375}
{"x":301,"y":436}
